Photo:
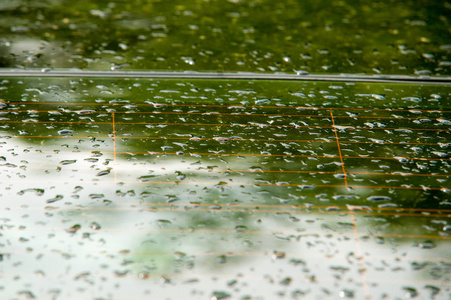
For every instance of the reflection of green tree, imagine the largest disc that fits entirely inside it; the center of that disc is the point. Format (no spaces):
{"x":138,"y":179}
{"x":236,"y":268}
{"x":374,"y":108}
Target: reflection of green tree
{"x":222,"y":194}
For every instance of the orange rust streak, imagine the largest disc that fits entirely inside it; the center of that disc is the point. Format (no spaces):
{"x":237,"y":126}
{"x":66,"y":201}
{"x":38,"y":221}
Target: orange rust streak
{"x":339,"y":149}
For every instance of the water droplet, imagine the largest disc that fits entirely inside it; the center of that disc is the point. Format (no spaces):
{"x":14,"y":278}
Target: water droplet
{"x":427,"y":245}
{"x":146,"y":178}
{"x":286,"y":281}
{"x":73,"y":229}
{"x":180,"y":175}
{"x":57,"y":198}
{"x":441,"y":154}
{"x":27,"y":294}
{"x":38,"y":192}
{"x":104,"y":172}
{"x":410,"y":292}
{"x":163,"y":222}
{"x":143,"y":275}
{"x":222,"y":259}
{"x":378,"y":198}
{"x":95,"y":226}
{"x":401,"y":159}
{"x":188,"y":60}
{"x":219,"y":295}
{"x":262,"y":101}
{"x":346,"y":294}
{"x":412,"y":99}
{"x":278,"y":254}
{"x":96,"y":154}
{"x":444,"y":121}
{"x":333,"y":208}
{"x":240,"y":228}
{"x":434,"y":290}
{"x":92,"y":160}
{"x":65,"y":132}
{"x":68,"y":161}
{"x":387,"y":205}
{"x":84,"y":112}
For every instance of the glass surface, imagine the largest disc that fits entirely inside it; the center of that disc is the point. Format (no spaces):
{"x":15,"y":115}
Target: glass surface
{"x":140,"y":188}
{"x":216,"y":189}
{"x":372,"y":37}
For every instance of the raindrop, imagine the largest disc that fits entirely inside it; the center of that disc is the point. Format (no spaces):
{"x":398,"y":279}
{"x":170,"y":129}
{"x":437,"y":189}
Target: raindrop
{"x":180,"y":175}
{"x":444,"y":121}
{"x":73,"y":229}
{"x":441,"y":154}
{"x":96,"y":153}
{"x":92,"y":160}
{"x":378,"y":198}
{"x":410,"y":292}
{"x":188,"y":60}
{"x":427,"y":245}
{"x":38,"y":192}
{"x":387,"y":205}
{"x":346,"y":294}
{"x":143,"y":275}
{"x":68,"y":161}
{"x":301,"y":72}
{"x":306,"y":186}
{"x":146,"y":178}
{"x":262,"y":101}
{"x":27,"y":294}
{"x":413,"y":99}
{"x":218,"y":295}
{"x":401,"y":159}
{"x":104,"y":172}
{"x":222,"y":259}
{"x":65,"y":132}
{"x":57,"y":198}
{"x":286,"y":281}
{"x":240,"y":228}
{"x":434,"y":290}
{"x":333,"y":208}
{"x":95,"y":226}
{"x":278,"y":254}
{"x":163,"y":222}
{"x":447,"y":228}
{"x":85,"y":112}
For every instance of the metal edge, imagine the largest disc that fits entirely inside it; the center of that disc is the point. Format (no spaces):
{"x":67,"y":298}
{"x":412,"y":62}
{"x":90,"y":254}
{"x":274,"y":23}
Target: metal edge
{"x":225,"y":75}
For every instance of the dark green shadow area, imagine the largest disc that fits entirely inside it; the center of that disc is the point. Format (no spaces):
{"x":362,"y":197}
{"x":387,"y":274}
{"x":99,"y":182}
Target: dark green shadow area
{"x":148,"y":188}
{"x":388,"y":37}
